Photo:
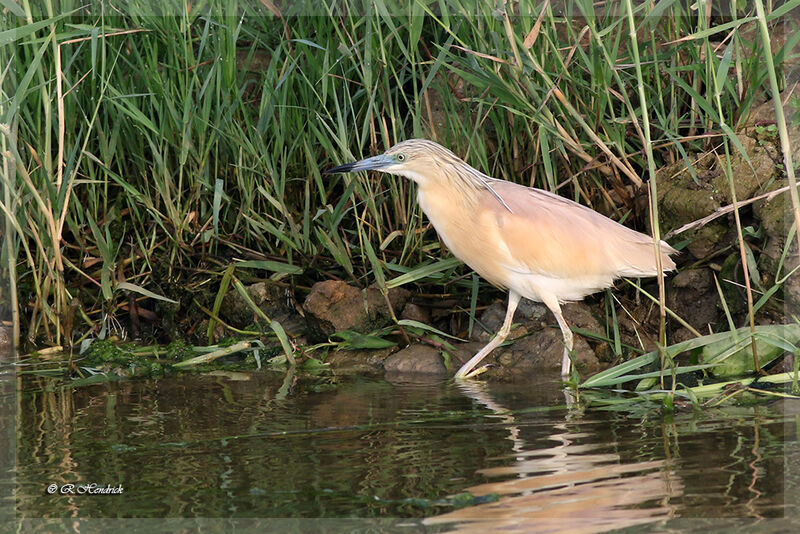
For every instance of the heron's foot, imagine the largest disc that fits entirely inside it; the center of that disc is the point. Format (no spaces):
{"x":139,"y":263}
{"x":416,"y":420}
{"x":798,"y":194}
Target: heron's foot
{"x":473,"y":373}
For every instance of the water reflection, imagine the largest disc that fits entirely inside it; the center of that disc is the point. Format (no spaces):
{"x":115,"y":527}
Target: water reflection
{"x":268,"y":444}
{"x":568,"y":487}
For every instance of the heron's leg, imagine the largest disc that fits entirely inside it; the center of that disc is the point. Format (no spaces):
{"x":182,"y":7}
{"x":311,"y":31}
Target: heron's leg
{"x":466,"y":369}
{"x":552,"y":304}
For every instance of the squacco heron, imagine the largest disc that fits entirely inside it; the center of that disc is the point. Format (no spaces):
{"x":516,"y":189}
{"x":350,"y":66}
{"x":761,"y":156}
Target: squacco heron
{"x":536,"y":244}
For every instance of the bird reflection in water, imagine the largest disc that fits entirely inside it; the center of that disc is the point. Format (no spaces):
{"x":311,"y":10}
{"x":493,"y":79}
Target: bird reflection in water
{"x":568,"y":487}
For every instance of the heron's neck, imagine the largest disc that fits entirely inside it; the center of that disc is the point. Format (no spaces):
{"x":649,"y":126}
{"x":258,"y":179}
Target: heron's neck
{"x":461,"y":183}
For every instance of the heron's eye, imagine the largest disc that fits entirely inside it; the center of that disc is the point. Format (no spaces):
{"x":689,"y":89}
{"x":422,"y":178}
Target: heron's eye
{"x":401,"y":157}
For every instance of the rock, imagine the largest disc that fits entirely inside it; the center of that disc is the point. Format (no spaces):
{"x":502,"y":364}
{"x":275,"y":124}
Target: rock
{"x":731,"y":281}
{"x":705,"y":240}
{"x":416,"y":359}
{"x":681,"y":199}
{"x":491,"y":320}
{"x":748,"y":181}
{"x":692,"y":295}
{"x":333,"y":306}
{"x":684,"y":199}
{"x":414,"y":312}
{"x":636,"y":334}
{"x":680,"y":335}
{"x":774,"y":214}
{"x":199,"y":335}
{"x":236,"y":311}
{"x":784,"y":364}
{"x":359,"y":361}
{"x":579,"y":314}
{"x":539,"y":344}
{"x":525,"y":355}
{"x":271,"y":298}
{"x":541,"y":351}
{"x":530,"y":310}
{"x":463,"y":353}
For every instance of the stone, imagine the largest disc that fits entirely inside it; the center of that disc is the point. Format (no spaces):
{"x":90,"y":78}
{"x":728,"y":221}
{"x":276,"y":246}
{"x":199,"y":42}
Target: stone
{"x":680,"y":335}
{"x":236,"y":311}
{"x":538,"y":346}
{"x":681,"y":199}
{"x":636,"y":334}
{"x":748,"y":181}
{"x":333,"y":306}
{"x":416,"y":359}
{"x":491,"y":320}
{"x":692,"y":295}
{"x":541,"y":352}
{"x":706,"y":239}
{"x":199,"y":335}
{"x":463,"y":353}
{"x":359,"y":361}
{"x":684,"y":199}
{"x":271,"y":298}
{"x":414,"y":312}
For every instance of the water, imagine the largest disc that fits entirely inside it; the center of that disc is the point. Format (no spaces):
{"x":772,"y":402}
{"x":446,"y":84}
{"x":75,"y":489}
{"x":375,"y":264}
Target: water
{"x":396,"y":456}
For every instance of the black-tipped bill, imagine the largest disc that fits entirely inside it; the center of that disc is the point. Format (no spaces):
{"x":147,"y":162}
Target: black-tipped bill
{"x":369,"y":164}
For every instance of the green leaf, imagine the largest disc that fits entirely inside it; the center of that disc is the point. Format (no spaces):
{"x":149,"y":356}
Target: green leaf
{"x":716,"y":29}
{"x":268,"y":265}
{"x":722,"y":69}
{"x":356,"y":341}
{"x":284,"y":340}
{"x":147,"y":293}
{"x":655,"y":13}
{"x":223,"y":290}
{"x":309,"y":43}
{"x":426,"y":328}
{"x":423,"y":271}
{"x":377,"y":268}
{"x":312,"y":364}
{"x":697,"y":98}
{"x":14,"y":34}
{"x":218,"y":191}
{"x":13,"y":7}
{"x":614,"y":375}
{"x":727,"y":353}
{"x":108,"y":261}
{"x":735,"y":357}
{"x":782,"y":10}
{"x":473,"y":304}
{"x":21,"y":91}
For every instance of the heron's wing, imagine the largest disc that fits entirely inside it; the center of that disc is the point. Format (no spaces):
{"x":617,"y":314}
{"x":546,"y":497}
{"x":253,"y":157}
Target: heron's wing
{"x":548,"y":234}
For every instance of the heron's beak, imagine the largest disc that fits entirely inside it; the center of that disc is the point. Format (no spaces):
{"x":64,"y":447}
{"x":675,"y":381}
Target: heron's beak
{"x":369,"y":164}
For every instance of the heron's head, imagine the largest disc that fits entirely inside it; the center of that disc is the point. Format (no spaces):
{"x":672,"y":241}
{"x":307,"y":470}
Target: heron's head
{"x":416,"y":159}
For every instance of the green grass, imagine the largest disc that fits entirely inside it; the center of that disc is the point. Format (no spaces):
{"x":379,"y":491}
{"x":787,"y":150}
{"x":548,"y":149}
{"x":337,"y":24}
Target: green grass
{"x":146,"y":153}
